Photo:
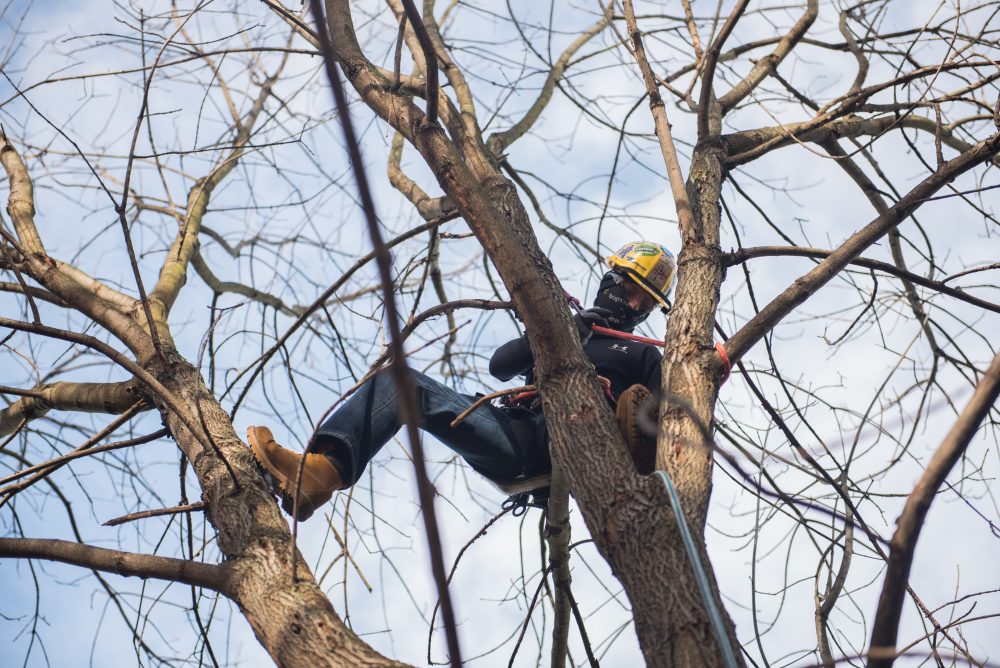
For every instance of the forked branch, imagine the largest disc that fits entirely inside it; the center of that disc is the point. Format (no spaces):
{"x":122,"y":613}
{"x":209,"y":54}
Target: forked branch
{"x":767,"y":64}
{"x":744,"y":254}
{"x":806,"y":285}
{"x":499,"y":141}
{"x":685,"y":217}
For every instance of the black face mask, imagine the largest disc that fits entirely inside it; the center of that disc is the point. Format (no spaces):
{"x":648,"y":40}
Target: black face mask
{"x":611,"y":295}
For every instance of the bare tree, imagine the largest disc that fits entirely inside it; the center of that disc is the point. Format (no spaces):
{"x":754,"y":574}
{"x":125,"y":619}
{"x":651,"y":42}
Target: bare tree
{"x":834,"y":161}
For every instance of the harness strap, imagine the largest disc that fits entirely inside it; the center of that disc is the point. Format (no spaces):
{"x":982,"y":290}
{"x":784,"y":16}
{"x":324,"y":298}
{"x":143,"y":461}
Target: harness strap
{"x":720,"y":348}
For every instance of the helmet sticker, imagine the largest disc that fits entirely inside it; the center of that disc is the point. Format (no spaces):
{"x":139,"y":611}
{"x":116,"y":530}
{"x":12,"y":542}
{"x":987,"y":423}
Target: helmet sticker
{"x":647,"y":250}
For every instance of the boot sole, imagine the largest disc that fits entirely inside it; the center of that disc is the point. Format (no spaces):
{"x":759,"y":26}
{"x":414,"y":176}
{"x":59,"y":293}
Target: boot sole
{"x":280,"y":489}
{"x":260,"y":454}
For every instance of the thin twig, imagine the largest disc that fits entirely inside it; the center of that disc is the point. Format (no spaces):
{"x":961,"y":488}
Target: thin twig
{"x":157,"y":512}
{"x":429,"y":57}
{"x":487,"y":397}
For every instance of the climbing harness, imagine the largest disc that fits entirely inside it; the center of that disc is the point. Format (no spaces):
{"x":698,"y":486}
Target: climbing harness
{"x":518,"y":503}
{"x":715,"y":618}
{"x":527,"y":491}
{"x":524,"y":492}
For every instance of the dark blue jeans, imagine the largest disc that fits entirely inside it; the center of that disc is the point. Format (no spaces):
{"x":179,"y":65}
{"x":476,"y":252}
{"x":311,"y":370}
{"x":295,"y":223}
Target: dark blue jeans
{"x":499,"y":443}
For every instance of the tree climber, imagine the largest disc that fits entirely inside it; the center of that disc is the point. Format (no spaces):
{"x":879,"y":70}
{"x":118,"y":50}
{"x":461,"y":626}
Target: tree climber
{"x":507,"y":444}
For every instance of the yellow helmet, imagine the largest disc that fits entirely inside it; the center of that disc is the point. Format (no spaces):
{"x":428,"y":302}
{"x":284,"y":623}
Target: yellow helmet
{"x":649,"y":264}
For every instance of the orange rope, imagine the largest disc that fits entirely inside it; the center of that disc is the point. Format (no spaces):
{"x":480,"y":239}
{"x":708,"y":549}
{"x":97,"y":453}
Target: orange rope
{"x":726,"y":366}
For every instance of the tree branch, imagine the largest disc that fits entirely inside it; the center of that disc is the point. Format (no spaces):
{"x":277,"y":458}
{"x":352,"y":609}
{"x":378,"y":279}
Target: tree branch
{"x":32,"y":292}
{"x":400,"y":370}
{"x":836,"y":120}
{"x":78,"y":290}
{"x":21,"y":201}
{"x":128,"y":564}
{"x":771,"y":62}
{"x":84,"y":397}
{"x":878,"y":201}
{"x":685,"y":217}
{"x":708,"y":68}
{"x":499,"y":141}
{"x":557,"y":535}
{"x":85,"y":449}
{"x":170,"y":402}
{"x":431,"y":74}
{"x":465,"y":127}
{"x":156,"y":512}
{"x":219,"y":286}
{"x":911,"y":520}
{"x":173,"y":273}
{"x":744,"y":254}
{"x":806,"y":285}
{"x":429,"y":208}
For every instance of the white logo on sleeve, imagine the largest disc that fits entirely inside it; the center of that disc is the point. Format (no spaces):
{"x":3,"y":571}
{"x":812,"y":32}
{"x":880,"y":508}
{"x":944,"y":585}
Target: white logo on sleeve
{"x":620,"y":348}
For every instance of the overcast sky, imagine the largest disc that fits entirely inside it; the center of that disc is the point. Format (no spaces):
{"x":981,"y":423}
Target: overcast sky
{"x":808,"y":197}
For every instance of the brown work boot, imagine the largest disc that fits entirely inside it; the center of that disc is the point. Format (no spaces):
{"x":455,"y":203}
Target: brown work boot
{"x":638,"y":415}
{"x":320,"y":478}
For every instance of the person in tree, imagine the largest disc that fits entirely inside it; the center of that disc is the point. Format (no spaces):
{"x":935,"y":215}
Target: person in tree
{"x":507,"y":444}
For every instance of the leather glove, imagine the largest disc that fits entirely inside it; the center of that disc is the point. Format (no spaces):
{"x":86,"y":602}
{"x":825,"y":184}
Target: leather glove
{"x":585,"y":320}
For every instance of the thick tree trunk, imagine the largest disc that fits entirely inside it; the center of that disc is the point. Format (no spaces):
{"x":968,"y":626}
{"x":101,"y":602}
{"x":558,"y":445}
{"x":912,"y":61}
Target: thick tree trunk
{"x":293,"y":620}
{"x":691,"y":373}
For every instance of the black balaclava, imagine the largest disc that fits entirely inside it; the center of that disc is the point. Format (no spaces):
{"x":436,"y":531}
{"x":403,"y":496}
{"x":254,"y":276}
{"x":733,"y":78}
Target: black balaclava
{"x":611,"y":295}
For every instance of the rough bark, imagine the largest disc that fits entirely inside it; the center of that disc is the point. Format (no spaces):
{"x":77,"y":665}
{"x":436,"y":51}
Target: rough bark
{"x":690,"y":367}
{"x":691,"y":374}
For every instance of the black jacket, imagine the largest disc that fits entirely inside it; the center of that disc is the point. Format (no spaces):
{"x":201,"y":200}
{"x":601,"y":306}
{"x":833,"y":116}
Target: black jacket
{"x":625,"y":363}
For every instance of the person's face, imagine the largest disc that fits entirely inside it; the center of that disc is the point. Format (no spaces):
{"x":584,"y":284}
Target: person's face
{"x":638,"y":299}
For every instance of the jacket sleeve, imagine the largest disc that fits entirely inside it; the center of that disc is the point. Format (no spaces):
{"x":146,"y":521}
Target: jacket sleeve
{"x":513,"y":358}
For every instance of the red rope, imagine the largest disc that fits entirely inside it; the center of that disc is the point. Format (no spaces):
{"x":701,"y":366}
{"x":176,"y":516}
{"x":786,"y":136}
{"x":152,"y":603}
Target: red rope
{"x":726,"y":366}
{"x":625,"y":335}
